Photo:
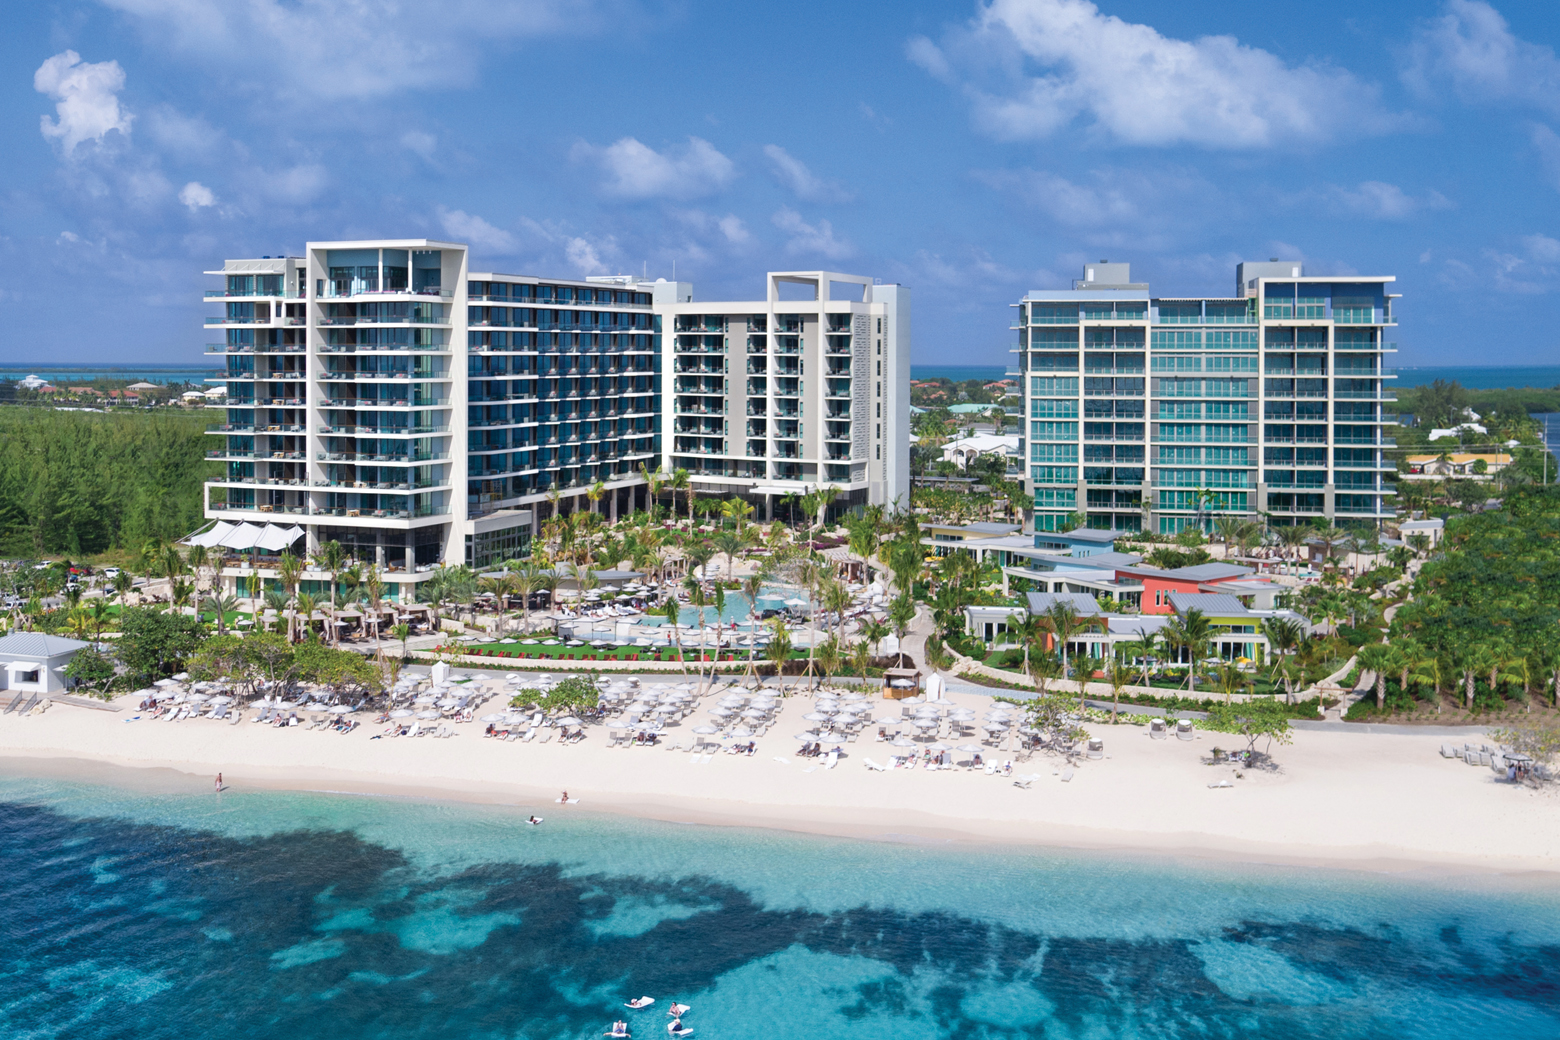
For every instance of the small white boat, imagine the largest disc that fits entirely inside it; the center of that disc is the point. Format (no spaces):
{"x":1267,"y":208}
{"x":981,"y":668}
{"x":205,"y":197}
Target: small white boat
{"x":642,"y":1002}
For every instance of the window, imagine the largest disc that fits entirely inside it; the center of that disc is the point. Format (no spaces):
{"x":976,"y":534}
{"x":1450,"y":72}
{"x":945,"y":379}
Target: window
{"x":28,"y":677}
{"x":1177,"y":363}
{"x":1053,"y":474}
{"x":1056,"y":498}
{"x":1053,"y":453}
{"x":1165,"y":339}
{"x":1051,"y":409}
{"x":1053,"y":431}
{"x":1052,"y":385}
{"x":1053,"y":314}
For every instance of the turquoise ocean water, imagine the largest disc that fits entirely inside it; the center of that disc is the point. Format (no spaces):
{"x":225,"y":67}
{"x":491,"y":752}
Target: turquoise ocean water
{"x":276,"y":915}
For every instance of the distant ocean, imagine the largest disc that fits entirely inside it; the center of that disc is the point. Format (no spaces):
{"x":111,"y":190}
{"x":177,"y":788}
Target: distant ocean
{"x":1475,"y":377}
{"x":61,"y":375}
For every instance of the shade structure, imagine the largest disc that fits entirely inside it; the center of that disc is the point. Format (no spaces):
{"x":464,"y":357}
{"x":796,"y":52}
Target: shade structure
{"x":970,"y":749}
{"x":902,"y":742}
{"x":339,"y":709}
{"x":491,"y":718}
{"x":402,"y":713}
{"x":211,"y":537}
{"x":567,"y":720}
{"x":705,"y":730}
{"x":241,"y":536}
{"x":274,"y":537}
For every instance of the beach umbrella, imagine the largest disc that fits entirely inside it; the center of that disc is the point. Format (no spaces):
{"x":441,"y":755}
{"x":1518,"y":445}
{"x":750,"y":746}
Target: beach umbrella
{"x":567,"y":720}
{"x":705,"y":730}
{"x":902,"y":742}
{"x":339,"y":709}
{"x":492,"y":718}
{"x":970,"y":749}
{"x":806,"y":736}
{"x":742,"y":731}
{"x":427,"y":714}
{"x":816,"y":716}
{"x":402,"y":713}
{"x":618,"y":724}
{"x":721,"y":713}
{"x":753,"y":713}
{"x":939,"y":746}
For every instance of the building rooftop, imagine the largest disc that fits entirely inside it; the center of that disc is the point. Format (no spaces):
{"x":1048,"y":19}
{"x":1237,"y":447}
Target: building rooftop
{"x":1211,"y":604}
{"x":1081,"y":534}
{"x":36,"y":644}
{"x":1082,"y":602}
{"x":1201,"y":572}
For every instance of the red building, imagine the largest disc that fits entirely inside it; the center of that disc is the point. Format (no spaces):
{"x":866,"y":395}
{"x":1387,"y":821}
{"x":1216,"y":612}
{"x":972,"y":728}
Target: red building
{"x":1158,"y":584}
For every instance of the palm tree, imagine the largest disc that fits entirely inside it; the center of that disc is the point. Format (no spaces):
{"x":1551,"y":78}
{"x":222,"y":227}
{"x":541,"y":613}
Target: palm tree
{"x":680,"y":482}
{"x":836,"y":599}
{"x":1029,"y":631}
{"x":220,"y":604}
{"x":830,"y":656}
{"x":596,"y":493}
{"x":289,"y":571}
{"x":729,"y":544}
{"x":198,"y":559}
{"x":525,"y":581}
{"x":403,"y":632}
{"x":331,"y":557}
{"x":825,"y":496}
{"x":738,"y":510}
{"x":1283,"y":635}
{"x":1292,"y":537}
{"x":1192,"y":631}
{"x":1379,"y":658}
{"x":1231,"y":681}
{"x":699,"y":554}
{"x":98,"y":611}
{"x":181,"y":591}
{"x":672,"y":611}
{"x":1118,"y":674}
{"x":874,"y":632}
{"x":502,"y":587}
{"x":1429,"y":668}
{"x":1062,"y":619}
{"x":123,"y":583}
{"x":752,"y":585}
{"x":779,"y":648}
{"x":306,"y":604}
{"x":1145,"y":647}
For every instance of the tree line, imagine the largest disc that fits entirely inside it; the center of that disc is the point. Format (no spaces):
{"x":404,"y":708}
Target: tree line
{"x":82,"y":483}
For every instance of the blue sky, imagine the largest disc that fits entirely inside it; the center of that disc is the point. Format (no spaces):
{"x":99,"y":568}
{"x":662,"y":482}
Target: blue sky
{"x":969,"y":150}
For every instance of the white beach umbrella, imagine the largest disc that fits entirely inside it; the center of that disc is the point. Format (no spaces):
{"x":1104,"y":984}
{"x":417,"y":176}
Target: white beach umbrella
{"x":427,"y":714}
{"x":705,"y":730}
{"x":902,"y":742}
{"x":402,"y":713}
{"x":492,"y":718}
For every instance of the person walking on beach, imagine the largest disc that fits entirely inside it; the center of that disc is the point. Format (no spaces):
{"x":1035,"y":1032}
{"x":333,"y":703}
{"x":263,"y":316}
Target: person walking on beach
{"x":219,"y":783}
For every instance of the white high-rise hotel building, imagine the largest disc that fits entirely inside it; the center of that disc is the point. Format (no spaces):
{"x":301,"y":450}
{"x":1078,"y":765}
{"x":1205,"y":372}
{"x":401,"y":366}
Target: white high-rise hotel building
{"x":384,"y":395}
{"x":1161,"y":413}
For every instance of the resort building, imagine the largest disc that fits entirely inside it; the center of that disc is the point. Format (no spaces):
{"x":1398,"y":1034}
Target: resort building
{"x":387,"y":396}
{"x":1159,"y":413}
{"x":767,"y":397}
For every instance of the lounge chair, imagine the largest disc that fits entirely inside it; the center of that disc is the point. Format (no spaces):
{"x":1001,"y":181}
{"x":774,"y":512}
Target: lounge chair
{"x":1156,"y":729}
{"x":1067,"y":775}
{"x":546,"y":736}
{"x":1447,"y":751}
{"x":873,"y":765}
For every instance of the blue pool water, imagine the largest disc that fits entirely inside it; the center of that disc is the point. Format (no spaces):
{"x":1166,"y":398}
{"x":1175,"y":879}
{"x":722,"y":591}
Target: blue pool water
{"x":274,"y":915}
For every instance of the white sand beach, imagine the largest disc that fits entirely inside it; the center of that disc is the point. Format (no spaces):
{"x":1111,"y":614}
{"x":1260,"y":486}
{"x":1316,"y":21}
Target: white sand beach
{"x":1339,"y":798}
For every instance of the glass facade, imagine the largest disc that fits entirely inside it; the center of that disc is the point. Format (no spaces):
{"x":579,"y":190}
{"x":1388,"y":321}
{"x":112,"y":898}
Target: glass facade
{"x":1191,"y":409}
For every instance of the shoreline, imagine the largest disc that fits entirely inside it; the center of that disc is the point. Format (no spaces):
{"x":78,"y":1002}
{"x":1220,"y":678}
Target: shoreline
{"x":1411,"y":814}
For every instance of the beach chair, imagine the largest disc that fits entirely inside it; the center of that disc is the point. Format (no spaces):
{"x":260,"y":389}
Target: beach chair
{"x":873,"y":765}
{"x":1156,"y":729}
{"x":831,"y":760}
{"x":1022,"y":782}
{"x":1067,"y":775}
{"x":233,"y":717}
{"x":1447,"y":751}
{"x":1184,"y":730}
{"x":546,"y":736}
{"x":415,"y":730}
{"x":530,"y":735}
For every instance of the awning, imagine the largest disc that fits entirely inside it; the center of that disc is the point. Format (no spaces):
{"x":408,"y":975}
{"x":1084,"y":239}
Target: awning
{"x":274,"y":538}
{"x":211,"y":537}
{"x":241,"y":537}
{"x":794,"y":489}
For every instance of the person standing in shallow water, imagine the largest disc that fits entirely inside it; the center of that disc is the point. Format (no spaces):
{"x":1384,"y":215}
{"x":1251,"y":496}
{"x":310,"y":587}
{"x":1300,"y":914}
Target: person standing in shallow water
{"x":219,"y":783}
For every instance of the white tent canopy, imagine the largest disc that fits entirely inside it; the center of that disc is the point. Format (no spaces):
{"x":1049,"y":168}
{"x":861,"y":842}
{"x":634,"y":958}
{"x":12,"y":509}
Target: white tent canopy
{"x":211,"y":537}
{"x":271,"y":537}
{"x":274,"y":537}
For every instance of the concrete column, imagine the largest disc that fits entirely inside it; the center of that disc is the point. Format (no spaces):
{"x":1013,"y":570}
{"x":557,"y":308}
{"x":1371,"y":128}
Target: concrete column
{"x":613,"y":509}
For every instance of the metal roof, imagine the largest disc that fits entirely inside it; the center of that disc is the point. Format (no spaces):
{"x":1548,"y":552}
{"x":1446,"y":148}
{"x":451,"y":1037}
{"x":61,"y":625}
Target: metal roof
{"x":36,"y":644}
{"x":1210,"y":603}
{"x":1082,"y":602}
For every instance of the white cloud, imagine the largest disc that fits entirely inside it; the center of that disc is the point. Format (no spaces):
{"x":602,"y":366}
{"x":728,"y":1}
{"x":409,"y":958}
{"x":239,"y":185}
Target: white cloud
{"x":1542,"y":248}
{"x":88,"y":99}
{"x":1057,"y":61}
{"x":792,"y":173}
{"x":583,"y":256}
{"x":317,"y":50}
{"x":1472,"y":48}
{"x":472,"y":229}
{"x":196,"y":196}
{"x":419,"y":142}
{"x":296,"y":184}
{"x":930,"y":57}
{"x":734,"y":230}
{"x":810,"y":239}
{"x":636,"y":171}
{"x":1547,"y":143}
{"x":182,"y":135}
{"x":1381,"y":201}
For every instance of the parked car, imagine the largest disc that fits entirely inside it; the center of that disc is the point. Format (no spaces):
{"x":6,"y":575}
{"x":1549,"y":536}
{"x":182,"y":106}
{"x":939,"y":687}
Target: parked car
{"x":110,"y":573}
